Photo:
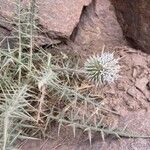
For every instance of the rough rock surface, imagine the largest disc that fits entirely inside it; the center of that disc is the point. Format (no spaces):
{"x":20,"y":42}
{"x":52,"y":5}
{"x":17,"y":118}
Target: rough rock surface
{"x":5,"y":27}
{"x":87,"y":22}
{"x":59,"y":16}
{"x":133,"y":16}
{"x":98,"y":26}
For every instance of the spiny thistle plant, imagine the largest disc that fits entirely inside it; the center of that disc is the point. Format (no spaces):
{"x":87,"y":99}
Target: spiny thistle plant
{"x":37,"y":88}
{"x":102,"y":69}
{"x":14,"y":117}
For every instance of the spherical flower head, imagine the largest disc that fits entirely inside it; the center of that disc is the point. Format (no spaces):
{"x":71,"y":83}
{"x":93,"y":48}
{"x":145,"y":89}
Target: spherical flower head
{"x":102,"y":69}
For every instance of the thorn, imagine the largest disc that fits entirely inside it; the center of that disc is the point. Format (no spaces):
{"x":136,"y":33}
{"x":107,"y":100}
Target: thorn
{"x":74,"y":130}
{"x":90,"y":136}
{"x":103,"y":135}
{"x":103,"y":48}
{"x":59,"y":127}
{"x":118,"y":136}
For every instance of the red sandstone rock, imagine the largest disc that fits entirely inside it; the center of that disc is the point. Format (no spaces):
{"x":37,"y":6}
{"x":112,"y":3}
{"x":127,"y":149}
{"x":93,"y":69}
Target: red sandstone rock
{"x":86,"y":21}
{"x":134,"y":18}
{"x":99,"y":26}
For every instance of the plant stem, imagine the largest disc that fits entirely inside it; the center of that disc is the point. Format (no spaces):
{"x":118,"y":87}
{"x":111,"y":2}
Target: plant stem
{"x":6,"y":123}
{"x":106,"y":131}
{"x":81,"y":72}
{"x":32,"y":12}
{"x":20,"y":41}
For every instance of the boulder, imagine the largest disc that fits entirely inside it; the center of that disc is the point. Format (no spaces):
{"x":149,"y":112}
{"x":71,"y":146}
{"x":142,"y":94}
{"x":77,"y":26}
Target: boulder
{"x":98,"y":26}
{"x":86,"y":22}
{"x":134,"y":18}
{"x":57,"y":18}
{"x":60,"y":16}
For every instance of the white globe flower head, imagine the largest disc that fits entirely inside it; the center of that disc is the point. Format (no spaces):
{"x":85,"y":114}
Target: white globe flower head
{"x":103,"y":68}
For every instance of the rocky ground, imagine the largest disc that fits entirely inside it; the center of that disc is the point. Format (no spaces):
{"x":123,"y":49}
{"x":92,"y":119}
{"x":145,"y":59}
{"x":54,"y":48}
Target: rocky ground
{"x":90,"y":24}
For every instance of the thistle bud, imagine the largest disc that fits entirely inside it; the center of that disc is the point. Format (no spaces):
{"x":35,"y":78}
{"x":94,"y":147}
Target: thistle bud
{"x":102,"y":69}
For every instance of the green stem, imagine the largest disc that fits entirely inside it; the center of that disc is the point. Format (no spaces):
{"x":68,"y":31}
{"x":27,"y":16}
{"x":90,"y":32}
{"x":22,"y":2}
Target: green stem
{"x":6,"y":123}
{"x":106,"y":131}
{"x":32,"y":12}
{"x":20,"y":41}
{"x":57,"y":69}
